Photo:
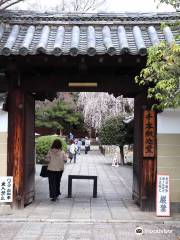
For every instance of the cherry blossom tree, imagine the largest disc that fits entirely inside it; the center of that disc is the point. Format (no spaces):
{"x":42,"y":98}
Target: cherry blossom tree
{"x":98,"y":107}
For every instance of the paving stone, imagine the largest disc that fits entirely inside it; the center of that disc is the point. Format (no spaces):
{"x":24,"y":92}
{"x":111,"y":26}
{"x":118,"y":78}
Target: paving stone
{"x":113,"y":215}
{"x":103,"y":232}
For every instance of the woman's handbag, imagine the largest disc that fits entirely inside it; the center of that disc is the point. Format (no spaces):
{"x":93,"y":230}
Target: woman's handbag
{"x":70,"y":155}
{"x":44,"y":171}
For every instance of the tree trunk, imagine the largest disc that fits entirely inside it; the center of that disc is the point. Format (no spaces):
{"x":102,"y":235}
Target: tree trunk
{"x":122,"y":154}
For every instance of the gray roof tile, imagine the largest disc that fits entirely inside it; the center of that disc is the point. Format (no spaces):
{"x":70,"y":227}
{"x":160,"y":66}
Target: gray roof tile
{"x":58,"y":43}
{"x":168,"y":35}
{"x":153,"y":35}
{"x":23,"y":50}
{"x":91,"y":41}
{"x":32,"y":33}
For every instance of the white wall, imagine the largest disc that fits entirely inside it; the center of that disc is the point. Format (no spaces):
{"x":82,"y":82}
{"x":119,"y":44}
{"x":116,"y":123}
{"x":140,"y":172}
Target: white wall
{"x":3,"y":121}
{"x":3,"y":141}
{"x":169,"y":121}
{"x":168,"y":149}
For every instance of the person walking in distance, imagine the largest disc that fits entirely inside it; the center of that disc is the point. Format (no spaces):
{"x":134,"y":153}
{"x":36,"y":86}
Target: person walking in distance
{"x":55,"y":159}
{"x":79,"y":144}
{"x":72,"y":151}
{"x":87,"y":145}
{"x":71,"y":136}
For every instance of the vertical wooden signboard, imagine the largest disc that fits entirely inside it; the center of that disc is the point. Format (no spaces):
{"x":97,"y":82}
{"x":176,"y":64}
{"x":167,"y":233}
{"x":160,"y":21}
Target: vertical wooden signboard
{"x":149,"y":132}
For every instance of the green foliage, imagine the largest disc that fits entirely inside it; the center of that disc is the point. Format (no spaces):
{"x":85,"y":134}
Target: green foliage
{"x":115,"y":132}
{"x":59,"y":115}
{"x":162,"y":72}
{"x":171,"y":2}
{"x":43,"y":144}
{"x":162,"y":75}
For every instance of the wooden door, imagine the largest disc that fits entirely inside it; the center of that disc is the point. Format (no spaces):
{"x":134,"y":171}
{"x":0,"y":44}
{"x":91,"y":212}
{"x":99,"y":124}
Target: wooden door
{"x":138,"y":144}
{"x":29,"y":148}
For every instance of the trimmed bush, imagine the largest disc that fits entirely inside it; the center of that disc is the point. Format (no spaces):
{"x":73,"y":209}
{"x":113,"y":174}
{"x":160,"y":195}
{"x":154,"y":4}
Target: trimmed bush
{"x":115,"y":132}
{"x":43,"y":144}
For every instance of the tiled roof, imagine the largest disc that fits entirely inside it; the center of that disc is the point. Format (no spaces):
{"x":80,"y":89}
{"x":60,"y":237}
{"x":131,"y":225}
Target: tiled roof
{"x":86,"y":34}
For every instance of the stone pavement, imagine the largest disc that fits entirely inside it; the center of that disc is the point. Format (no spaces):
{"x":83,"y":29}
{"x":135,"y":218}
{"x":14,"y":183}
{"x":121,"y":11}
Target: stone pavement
{"x":113,"y":215}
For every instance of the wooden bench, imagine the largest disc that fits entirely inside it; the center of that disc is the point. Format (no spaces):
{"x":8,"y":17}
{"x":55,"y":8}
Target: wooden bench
{"x":71,"y":177}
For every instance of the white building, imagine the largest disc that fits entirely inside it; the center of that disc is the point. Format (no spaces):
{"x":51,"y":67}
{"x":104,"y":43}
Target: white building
{"x":168,"y":155}
{"x":3,"y":141}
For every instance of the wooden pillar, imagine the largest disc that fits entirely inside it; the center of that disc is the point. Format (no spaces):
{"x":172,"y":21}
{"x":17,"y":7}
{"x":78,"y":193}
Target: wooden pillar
{"x":21,"y":149}
{"x":16,"y":134}
{"x":148,"y":187}
{"x":144,"y":168}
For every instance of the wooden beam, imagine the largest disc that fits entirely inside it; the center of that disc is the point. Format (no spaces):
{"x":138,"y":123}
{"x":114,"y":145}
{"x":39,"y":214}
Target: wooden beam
{"x":44,"y":61}
{"x":49,"y":74}
{"x":63,"y":82}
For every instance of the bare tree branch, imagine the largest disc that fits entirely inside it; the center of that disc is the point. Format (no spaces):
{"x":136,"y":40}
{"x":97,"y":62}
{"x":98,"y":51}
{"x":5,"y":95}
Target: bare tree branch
{"x":83,"y":5}
{"x":89,"y":4}
{"x":63,"y":5}
{"x":4,"y":4}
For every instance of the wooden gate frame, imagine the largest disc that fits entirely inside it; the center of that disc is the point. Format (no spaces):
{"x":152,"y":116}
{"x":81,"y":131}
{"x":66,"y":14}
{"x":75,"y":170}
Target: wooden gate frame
{"x":26,"y":81}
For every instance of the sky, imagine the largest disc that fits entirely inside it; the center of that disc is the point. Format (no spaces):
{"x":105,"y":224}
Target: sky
{"x":110,"y":6}
{"x":137,"y":5}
